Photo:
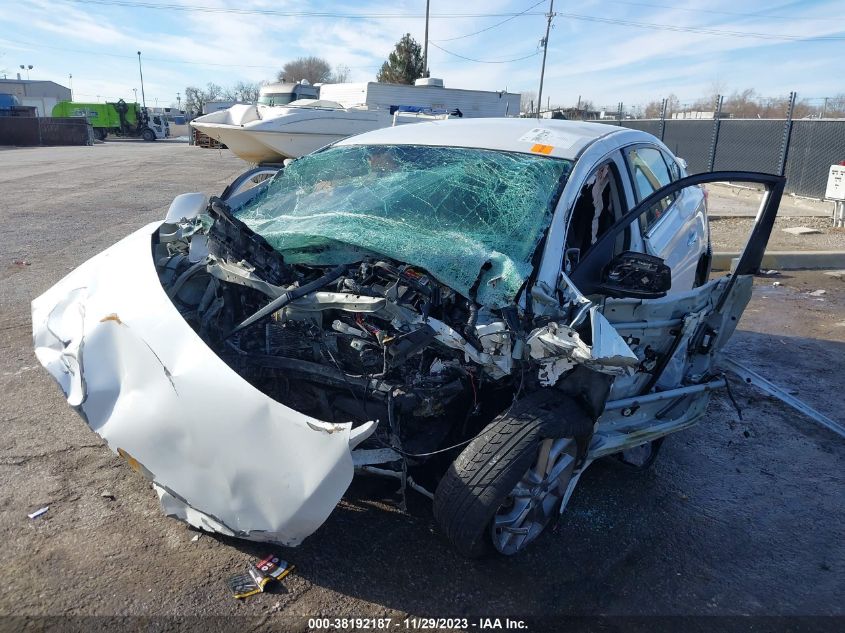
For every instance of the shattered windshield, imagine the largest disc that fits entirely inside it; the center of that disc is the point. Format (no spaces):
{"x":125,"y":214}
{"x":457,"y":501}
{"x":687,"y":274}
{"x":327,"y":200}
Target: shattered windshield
{"x":459,"y":213}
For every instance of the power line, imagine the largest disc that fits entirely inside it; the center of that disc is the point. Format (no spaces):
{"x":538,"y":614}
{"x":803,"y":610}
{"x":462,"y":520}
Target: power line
{"x":715,"y":12}
{"x":153,"y":59}
{"x":704,"y":30}
{"x":141,"y":4}
{"x":486,"y":61}
{"x":361,"y":16}
{"x":173,"y":60}
{"x":521,"y":13}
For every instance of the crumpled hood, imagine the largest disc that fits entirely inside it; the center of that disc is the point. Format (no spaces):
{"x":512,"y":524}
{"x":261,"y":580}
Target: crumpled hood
{"x":222,"y":455}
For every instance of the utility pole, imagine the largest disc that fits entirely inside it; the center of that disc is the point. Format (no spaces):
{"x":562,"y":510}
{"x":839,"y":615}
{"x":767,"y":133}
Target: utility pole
{"x":545,"y":43}
{"x":179,"y":101}
{"x":140,"y":70}
{"x":425,"y":45}
{"x":70,"y":80}
{"x":824,"y":108}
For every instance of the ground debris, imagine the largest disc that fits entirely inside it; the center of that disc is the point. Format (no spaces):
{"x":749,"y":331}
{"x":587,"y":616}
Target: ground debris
{"x":38,"y":513}
{"x":107,"y":495}
{"x":258,"y":575}
{"x":817,"y":293}
{"x":21,"y":262}
{"x":800,"y":230}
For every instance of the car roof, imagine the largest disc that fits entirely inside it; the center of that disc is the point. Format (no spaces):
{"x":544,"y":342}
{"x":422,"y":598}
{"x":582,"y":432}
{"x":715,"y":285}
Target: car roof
{"x":549,"y":137}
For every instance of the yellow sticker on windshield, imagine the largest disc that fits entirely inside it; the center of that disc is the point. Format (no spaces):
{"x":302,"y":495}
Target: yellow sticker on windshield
{"x":542,"y":149}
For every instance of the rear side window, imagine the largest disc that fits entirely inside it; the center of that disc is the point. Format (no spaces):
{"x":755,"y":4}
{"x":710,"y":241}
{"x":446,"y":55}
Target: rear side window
{"x":650,"y":173}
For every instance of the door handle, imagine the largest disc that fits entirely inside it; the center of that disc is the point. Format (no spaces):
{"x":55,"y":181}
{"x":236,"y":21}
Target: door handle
{"x":692,"y":239}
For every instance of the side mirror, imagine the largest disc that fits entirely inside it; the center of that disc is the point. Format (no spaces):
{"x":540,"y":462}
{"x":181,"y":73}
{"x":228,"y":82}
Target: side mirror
{"x":636,"y":275}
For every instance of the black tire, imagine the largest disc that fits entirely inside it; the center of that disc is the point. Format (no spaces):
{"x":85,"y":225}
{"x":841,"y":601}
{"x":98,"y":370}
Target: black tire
{"x":702,"y":271}
{"x":484,"y":474}
{"x":100,"y":133}
{"x":644,"y":459}
{"x":148,"y":135}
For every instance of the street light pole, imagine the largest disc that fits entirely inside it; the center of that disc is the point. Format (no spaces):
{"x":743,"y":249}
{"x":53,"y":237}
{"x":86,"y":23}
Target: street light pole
{"x":135,"y":90}
{"x":550,"y":16}
{"x":425,"y":45}
{"x":70,"y":81}
{"x":141,"y":72}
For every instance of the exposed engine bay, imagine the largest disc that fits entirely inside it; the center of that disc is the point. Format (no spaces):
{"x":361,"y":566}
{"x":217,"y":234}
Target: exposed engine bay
{"x":373,"y":340}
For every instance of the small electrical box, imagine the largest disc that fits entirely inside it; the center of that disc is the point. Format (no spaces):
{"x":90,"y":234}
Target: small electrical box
{"x":836,"y":183}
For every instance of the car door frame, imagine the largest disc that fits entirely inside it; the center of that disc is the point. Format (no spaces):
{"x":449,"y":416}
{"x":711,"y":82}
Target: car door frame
{"x":640,"y":411}
{"x":587,"y":275}
{"x":673,"y":236}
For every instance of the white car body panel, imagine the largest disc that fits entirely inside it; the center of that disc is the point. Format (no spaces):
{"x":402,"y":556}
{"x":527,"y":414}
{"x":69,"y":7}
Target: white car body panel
{"x":242,"y":463}
{"x":680,"y":237}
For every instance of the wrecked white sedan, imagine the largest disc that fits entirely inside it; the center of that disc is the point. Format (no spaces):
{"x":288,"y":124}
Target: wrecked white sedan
{"x":477,"y":308}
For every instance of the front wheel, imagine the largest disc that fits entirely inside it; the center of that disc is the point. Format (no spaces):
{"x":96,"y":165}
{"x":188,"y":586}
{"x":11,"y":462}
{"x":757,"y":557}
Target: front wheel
{"x":509,"y":483}
{"x":148,"y":135}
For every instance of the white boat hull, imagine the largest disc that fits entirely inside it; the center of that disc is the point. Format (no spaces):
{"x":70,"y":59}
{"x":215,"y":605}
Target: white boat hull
{"x":266,"y":134}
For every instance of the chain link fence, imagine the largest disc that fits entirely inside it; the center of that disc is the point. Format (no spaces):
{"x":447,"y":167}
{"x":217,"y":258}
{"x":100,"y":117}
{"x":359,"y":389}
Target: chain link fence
{"x":813,"y":148}
{"x":801,"y":149}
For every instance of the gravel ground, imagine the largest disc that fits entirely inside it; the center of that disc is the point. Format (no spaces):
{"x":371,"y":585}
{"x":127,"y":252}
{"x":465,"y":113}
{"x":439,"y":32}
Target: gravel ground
{"x":726,"y":199}
{"x":730,"y":234}
{"x":737,"y":517}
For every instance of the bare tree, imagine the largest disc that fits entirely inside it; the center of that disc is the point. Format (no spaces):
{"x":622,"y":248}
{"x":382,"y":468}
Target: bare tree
{"x":196,"y":98}
{"x":527,"y":101}
{"x":229,"y":94}
{"x":312,"y":69}
{"x":835,"y":106}
{"x":340,"y":74}
{"x":744,"y":104}
{"x":248,"y":91}
{"x":652,"y":109}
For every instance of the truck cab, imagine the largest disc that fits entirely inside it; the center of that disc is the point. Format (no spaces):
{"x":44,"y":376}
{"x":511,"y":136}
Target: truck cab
{"x":159,"y":126}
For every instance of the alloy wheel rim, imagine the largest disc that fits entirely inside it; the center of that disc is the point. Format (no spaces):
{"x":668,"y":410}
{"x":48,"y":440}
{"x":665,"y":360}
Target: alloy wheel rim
{"x":536,"y":497}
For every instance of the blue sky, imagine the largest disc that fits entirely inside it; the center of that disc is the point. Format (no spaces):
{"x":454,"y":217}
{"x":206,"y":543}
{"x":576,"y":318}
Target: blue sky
{"x":604,"y":61}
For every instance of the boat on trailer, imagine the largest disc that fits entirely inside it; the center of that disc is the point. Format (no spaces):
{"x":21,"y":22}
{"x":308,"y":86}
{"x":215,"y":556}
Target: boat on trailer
{"x":270,"y":132}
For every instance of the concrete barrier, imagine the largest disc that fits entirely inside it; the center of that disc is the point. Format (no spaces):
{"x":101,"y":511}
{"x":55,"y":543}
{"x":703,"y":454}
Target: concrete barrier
{"x":787,"y":260}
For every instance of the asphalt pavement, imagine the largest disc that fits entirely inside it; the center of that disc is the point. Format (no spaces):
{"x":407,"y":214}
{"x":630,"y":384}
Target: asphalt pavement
{"x":738,"y":516}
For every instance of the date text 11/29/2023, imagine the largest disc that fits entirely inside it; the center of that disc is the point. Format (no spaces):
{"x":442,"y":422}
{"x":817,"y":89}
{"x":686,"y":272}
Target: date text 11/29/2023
{"x":418,"y":624}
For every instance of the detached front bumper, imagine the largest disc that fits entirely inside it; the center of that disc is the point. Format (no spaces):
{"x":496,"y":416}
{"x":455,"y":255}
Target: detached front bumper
{"x":222,"y":455}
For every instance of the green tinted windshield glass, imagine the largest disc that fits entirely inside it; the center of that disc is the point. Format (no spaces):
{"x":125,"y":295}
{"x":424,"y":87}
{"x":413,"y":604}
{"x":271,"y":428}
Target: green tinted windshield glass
{"x":456,"y":212}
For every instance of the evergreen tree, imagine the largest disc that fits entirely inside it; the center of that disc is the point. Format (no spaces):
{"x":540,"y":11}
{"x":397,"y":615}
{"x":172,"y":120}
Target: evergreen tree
{"x":404,"y":64}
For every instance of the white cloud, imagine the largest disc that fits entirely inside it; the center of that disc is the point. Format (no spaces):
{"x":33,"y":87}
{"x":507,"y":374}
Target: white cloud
{"x":602,"y":62}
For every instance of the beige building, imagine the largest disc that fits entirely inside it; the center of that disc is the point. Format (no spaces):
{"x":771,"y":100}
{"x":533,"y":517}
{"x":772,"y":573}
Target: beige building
{"x":43,"y":95}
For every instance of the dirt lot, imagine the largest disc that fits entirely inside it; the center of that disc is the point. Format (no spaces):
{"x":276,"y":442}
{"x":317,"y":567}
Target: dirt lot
{"x":732,"y":211}
{"x":737,"y":517}
{"x":729,"y":234}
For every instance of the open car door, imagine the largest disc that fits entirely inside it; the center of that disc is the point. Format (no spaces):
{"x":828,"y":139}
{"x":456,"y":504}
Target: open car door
{"x":675,"y":335}
{"x":588,"y":274}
